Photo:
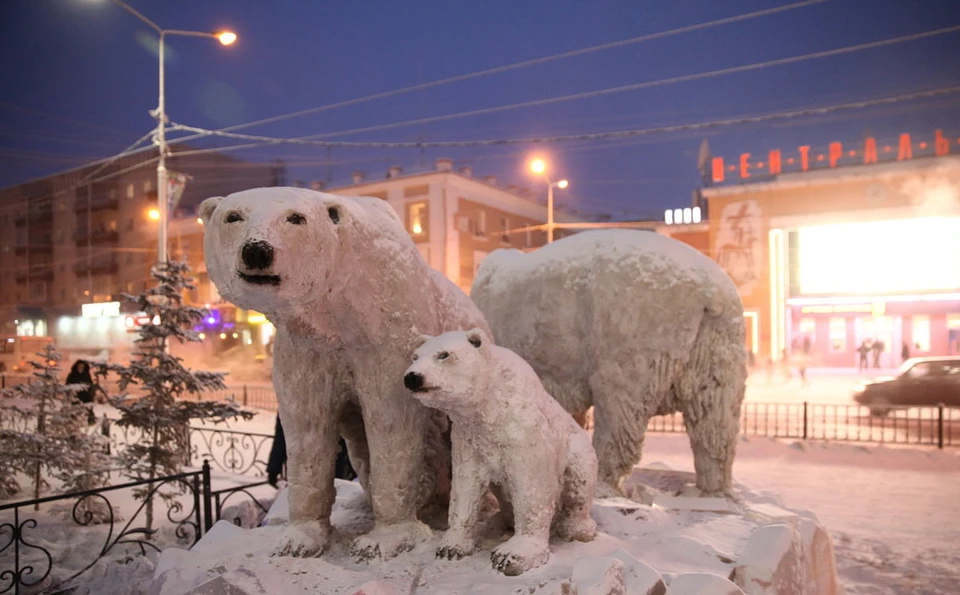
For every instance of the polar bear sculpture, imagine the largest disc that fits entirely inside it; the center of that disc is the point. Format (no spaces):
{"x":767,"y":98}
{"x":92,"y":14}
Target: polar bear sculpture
{"x":511,"y":437}
{"x":349,"y":294}
{"x":635,"y":324}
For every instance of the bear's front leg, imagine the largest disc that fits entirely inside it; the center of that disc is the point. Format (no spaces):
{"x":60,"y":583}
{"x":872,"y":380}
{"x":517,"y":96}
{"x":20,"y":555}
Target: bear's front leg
{"x":534,"y":497}
{"x":470,"y":483}
{"x":396,"y":427}
{"x":308,"y":418}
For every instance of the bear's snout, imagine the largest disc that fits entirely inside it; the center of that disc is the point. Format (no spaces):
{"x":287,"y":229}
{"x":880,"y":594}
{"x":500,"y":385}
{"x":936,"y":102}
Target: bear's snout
{"x":413,"y":381}
{"x":257,"y":254}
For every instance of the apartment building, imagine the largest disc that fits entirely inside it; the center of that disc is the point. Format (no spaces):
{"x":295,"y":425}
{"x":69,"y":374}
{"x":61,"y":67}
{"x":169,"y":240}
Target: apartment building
{"x":454,"y":218}
{"x":85,"y":235}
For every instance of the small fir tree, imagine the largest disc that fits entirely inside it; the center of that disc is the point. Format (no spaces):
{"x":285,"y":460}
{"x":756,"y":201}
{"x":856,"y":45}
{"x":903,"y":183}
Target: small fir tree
{"x":46,"y":435}
{"x":154,"y":388}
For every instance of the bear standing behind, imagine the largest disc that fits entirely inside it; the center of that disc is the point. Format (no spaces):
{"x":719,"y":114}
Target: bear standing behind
{"x":633,"y":324}
{"x":510,"y":436}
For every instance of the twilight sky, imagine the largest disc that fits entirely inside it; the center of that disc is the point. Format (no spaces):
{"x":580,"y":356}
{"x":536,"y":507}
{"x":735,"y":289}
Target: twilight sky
{"x":79,"y":77}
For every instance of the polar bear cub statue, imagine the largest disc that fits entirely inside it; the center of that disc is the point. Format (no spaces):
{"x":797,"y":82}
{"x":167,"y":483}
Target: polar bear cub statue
{"x":633,"y":324}
{"x":509,"y":437}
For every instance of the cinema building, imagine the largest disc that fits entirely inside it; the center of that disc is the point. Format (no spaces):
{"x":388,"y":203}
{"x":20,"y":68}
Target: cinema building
{"x":845,"y":248}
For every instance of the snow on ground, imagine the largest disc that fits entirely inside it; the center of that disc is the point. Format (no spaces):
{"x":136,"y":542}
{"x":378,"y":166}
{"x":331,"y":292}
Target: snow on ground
{"x":892,"y":512}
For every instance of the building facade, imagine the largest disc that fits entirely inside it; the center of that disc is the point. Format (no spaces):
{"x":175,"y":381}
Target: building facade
{"x":454,"y":219}
{"x":863,"y":250}
{"x":84,"y":236}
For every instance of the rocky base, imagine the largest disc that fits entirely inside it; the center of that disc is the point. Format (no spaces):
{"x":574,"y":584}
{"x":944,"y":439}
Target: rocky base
{"x":675,"y":544}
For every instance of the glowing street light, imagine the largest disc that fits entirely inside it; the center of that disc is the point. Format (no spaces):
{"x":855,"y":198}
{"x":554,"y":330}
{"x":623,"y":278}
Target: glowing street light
{"x":154,"y":214}
{"x":539,"y":167}
{"x":225,"y":38}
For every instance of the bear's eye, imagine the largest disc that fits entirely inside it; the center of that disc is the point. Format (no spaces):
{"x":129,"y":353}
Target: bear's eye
{"x":233,"y":217}
{"x":296,"y":219}
{"x":442,"y":356}
{"x":415,"y":357}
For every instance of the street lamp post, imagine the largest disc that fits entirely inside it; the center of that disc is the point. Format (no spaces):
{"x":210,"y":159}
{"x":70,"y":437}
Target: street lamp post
{"x":225,"y":38}
{"x":539,"y":166}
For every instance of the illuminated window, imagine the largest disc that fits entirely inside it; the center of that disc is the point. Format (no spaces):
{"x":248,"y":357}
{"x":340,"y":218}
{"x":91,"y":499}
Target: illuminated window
{"x":953,"y":322}
{"x":921,"y":333}
{"x":528,"y":242}
{"x":481,"y":229}
{"x":838,"y":334}
{"x":130,"y":190}
{"x":417,"y":218}
{"x":147,"y":185}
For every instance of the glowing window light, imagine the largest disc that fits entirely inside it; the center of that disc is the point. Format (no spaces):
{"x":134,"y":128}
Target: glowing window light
{"x":696,"y":214}
{"x":901,"y":256}
{"x":668,"y":216}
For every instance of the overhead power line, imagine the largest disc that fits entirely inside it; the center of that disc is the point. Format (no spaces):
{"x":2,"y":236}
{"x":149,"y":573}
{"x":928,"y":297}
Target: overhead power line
{"x":649,"y":84}
{"x":527,"y":63}
{"x":585,"y":136}
{"x":588,"y":94}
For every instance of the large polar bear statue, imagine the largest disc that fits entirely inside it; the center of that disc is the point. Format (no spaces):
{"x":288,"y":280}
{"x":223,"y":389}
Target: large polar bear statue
{"x":511,"y":437}
{"x":635,"y":324}
{"x":349,"y":294}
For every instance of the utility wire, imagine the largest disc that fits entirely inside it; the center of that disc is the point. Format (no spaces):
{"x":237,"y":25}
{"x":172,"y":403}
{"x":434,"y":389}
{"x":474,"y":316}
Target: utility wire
{"x":584,"y":95}
{"x":649,"y":84}
{"x":581,"y":137}
{"x":526,"y":63}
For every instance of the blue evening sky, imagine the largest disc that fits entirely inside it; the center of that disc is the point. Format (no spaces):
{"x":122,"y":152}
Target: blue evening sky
{"x":79,"y":77}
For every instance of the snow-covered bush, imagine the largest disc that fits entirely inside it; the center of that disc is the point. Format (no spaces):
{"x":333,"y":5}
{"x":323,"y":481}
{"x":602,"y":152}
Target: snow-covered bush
{"x":45,"y":434}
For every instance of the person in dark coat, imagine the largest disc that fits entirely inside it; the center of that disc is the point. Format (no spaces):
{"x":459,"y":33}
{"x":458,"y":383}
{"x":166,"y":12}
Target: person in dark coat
{"x":278,"y":455}
{"x":277,"y":461}
{"x":80,"y":374}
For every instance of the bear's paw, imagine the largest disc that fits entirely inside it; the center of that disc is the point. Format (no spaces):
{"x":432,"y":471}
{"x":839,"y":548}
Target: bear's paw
{"x":389,"y":541}
{"x":576,"y":529}
{"x":455,"y":546}
{"x":303,"y":540}
{"x":519,"y":554}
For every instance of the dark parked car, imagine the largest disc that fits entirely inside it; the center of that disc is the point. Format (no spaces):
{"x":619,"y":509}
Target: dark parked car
{"x":922,"y":381}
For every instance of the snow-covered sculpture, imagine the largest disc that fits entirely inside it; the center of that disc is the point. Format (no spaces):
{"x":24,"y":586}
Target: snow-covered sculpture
{"x":635,"y":324}
{"x":349,"y":293}
{"x":511,"y":437}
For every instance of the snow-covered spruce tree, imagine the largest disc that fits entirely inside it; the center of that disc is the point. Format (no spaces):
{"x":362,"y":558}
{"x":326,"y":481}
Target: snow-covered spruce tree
{"x":155,"y":388}
{"x":48,"y":436}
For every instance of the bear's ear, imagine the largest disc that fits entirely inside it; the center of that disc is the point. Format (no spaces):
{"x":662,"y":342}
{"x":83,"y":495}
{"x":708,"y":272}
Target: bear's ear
{"x":207,"y":207}
{"x":419,"y":341}
{"x":476,"y":337}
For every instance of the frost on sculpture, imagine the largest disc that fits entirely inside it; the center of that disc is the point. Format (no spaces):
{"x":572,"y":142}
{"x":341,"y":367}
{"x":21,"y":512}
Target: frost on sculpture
{"x":508,"y":436}
{"x":634,"y":324}
{"x":349,"y":294}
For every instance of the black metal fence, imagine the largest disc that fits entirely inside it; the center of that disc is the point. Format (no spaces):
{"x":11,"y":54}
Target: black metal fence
{"x":29,"y":567}
{"x":229,"y":451}
{"x":931,"y":426}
